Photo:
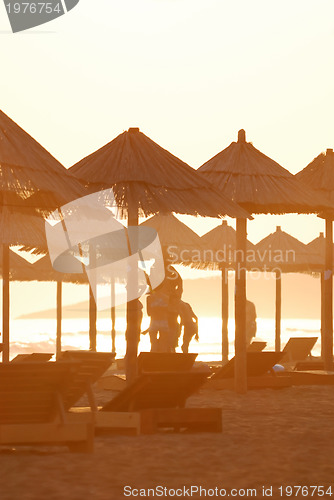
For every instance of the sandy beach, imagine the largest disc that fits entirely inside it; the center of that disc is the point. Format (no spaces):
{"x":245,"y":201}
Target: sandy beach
{"x":270,"y":438}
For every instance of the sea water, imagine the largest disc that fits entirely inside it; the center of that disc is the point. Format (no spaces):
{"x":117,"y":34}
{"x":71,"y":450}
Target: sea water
{"x":39,"y":335}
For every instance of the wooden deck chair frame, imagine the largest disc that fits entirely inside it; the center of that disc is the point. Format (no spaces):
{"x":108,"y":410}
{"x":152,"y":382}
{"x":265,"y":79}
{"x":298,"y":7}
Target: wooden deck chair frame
{"x":298,"y":349}
{"x":165,"y":362}
{"x":31,"y":407}
{"x":32,"y":357}
{"x":157,"y":400}
{"x":91,"y":366}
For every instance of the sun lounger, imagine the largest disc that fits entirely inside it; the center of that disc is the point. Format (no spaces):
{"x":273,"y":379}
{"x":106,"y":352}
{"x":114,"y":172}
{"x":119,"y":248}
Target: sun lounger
{"x":157,"y":390}
{"x":260,"y":373}
{"x":312,"y":377}
{"x":33,"y":357}
{"x":298,"y":349}
{"x":256,"y":346}
{"x":156,"y":400}
{"x":165,"y":362}
{"x":31,"y":407}
{"x":91,"y":366}
{"x":312,"y":364}
{"x":151,"y":362}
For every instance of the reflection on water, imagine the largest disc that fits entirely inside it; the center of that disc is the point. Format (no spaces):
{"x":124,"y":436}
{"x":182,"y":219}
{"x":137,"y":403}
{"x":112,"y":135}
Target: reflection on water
{"x":31,"y":335}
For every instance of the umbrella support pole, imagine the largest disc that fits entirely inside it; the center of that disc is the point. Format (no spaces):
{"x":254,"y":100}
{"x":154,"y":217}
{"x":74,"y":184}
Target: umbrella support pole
{"x":278,"y":311}
{"x":240,"y":376}
{"x":92,"y":303}
{"x":328,"y":312}
{"x":322,"y":328}
{"x":92,"y":320}
{"x":5,"y":303}
{"x":113,"y":318}
{"x":59,"y":318}
{"x":133,"y":327}
{"x":224,"y":315}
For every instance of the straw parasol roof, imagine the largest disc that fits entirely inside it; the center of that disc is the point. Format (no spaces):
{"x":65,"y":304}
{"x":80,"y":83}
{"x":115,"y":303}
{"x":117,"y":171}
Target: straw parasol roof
{"x":146,"y":180}
{"x":218,"y":244}
{"x":22,"y":227}
{"x":17,"y":264}
{"x":319,"y":174}
{"x":172,"y":232}
{"x":32,"y":183}
{"x":280,"y":250}
{"x":145,"y":176}
{"x":218,"y":252}
{"x":42,"y":270}
{"x":30,"y":173}
{"x":258,"y":183}
{"x":318,"y":248}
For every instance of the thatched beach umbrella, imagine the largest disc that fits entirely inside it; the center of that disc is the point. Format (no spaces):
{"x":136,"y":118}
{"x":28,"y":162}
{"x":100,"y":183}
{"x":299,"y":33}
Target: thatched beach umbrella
{"x":260,"y":185}
{"x":320,"y":175}
{"x":218,"y":252}
{"x":176,"y":238}
{"x":42,"y":270}
{"x":146,"y":180}
{"x":32,"y":182}
{"x":280,"y":252}
{"x":318,"y":247}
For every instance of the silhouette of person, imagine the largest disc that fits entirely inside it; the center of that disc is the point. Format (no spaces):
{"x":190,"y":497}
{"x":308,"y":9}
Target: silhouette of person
{"x":189,"y":321}
{"x":157,"y":309}
{"x":250,"y":322}
{"x":175,"y":289}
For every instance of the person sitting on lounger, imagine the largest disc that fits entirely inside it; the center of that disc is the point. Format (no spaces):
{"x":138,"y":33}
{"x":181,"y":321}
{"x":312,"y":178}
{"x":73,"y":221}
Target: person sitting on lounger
{"x":189,"y":321}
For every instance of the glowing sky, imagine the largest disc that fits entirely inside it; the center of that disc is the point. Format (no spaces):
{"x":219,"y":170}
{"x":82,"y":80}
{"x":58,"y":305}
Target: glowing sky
{"x":189,"y":73}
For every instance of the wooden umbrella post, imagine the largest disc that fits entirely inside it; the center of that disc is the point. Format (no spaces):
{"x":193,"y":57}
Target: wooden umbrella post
{"x":224,"y":315}
{"x":5,"y":303}
{"x":322,"y":327}
{"x":278,"y":310}
{"x":59,"y":318}
{"x":113,"y":317}
{"x":240,"y":375}
{"x":132,"y":330}
{"x":92,"y":303}
{"x":328,"y":307}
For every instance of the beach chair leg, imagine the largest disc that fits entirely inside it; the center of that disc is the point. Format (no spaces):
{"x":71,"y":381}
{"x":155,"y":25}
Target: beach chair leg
{"x":148,"y":422}
{"x":86,"y":446}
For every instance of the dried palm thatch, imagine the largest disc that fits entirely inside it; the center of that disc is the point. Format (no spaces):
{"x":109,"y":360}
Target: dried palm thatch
{"x":258,"y":183}
{"x":146,"y":180}
{"x":28,"y":171}
{"x":176,"y":238}
{"x":146,"y":177}
{"x":281,"y":251}
{"x":22,"y":227}
{"x":42,"y":270}
{"x":218,"y":248}
{"x":319,"y":174}
{"x":318,"y":248}
{"x":32,"y":183}
{"x":16,"y":264}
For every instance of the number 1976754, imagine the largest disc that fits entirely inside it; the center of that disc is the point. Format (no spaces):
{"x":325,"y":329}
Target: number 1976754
{"x":34,"y":8}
